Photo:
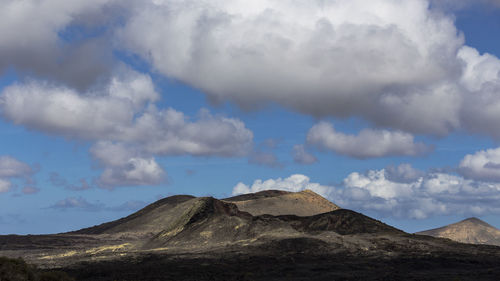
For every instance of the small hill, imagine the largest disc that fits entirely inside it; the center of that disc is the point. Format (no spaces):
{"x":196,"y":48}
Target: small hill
{"x":471,"y":230}
{"x":149,"y":220}
{"x":276,"y":202}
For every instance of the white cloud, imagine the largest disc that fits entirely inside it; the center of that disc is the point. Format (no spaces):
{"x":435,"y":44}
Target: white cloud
{"x":61,"y":110}
{"x":136,"y":171}
{"x":300,"y":155}
{"x":336,"y":58}
{"x":483,"y":165}
{"x":123,"y":111}
{"x":377,"y":185}
{"x":398,"y":64}
{"x":124,"y":166}
{"x":403,"y":173}
{"x":293,"y":183}
{"x":170,"y":132}
{"x":11,"y":169}
{"x":4,"y":185}
{"x":340,"y":58}
{"x":429,"y":195}
{"x":32,"y":43}
{"x":368,"y":143}
{"x":481,"y":110}
{"x":123,"y":117}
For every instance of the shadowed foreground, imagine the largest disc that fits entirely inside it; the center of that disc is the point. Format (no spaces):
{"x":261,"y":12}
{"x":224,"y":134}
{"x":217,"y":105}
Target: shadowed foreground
{"x":290,"y":267}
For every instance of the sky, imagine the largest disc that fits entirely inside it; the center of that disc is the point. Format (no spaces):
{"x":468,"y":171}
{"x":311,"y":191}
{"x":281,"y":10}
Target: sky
{"x":389,"y":108}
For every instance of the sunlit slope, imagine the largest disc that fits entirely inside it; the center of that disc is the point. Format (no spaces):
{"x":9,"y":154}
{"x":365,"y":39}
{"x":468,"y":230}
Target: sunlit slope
{"x":274,"y":202}
{"x":472,"y":230}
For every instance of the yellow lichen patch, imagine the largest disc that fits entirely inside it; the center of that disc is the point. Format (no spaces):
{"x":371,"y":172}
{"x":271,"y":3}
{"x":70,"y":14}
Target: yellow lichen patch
{"x":206,"y":234}
{"x":63,"y":255}
{"x":111,"y":248}
{"x":160,"y":249}
{"x":172,"y":232}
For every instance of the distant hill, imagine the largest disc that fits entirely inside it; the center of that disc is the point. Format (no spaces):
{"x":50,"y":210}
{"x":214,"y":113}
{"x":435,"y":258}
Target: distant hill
{"x":276,"y":202}
{"x":471,"y":230}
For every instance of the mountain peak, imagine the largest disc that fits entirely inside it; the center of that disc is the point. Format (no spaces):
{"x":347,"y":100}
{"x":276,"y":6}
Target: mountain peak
{"x":474,"y":220}
{"x":471,"y":230}
{"x":277,"y":202}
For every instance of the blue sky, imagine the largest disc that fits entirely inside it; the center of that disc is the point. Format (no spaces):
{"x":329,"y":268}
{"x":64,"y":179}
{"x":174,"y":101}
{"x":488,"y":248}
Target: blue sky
{"x":390,"y":108}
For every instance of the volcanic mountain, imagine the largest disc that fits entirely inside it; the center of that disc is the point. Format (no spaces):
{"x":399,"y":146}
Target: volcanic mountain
{"x":471,"y":230}
{"x":292,"y":236}
{"x":277,"y":202}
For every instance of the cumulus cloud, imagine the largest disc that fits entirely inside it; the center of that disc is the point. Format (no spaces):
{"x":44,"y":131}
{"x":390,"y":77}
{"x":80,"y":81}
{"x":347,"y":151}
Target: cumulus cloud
{"x":325,"y":58}
{"x":368,"y":143}
{"x":42,"y":50}
{"x":377,"y":191}
{"x":301,"y":156}
{"x":136,"y":171}
{"x":429,"y":195}
{"x":61,"y":110}
{"x":129,"y":130}
{"x":483,"y":165}
{"x":404,"y":173}
{"x":12,"y":169}
{"x":123,"y":111}
{"x":294,"y":183}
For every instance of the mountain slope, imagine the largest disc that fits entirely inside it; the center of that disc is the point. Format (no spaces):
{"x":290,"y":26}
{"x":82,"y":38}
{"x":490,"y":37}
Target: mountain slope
{"x":274,"y":202}
{"x":151,"y":219}
{"x":472,"y":231}
{"x":211,"y":223}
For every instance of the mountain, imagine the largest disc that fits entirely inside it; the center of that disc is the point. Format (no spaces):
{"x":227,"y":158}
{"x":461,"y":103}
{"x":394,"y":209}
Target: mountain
{"x":471,"y":230}
{"x":189,"y":222}
{"x":276,"y":202}
{"x":270,"y":235}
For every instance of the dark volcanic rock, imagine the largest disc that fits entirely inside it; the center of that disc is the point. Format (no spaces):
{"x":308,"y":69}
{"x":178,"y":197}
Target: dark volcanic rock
{"x":340,"y":221}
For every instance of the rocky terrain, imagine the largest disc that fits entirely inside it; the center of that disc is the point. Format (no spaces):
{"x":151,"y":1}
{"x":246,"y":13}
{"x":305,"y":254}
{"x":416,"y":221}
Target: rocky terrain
{"x":250,"y":237}
{"x":471,"y":230}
